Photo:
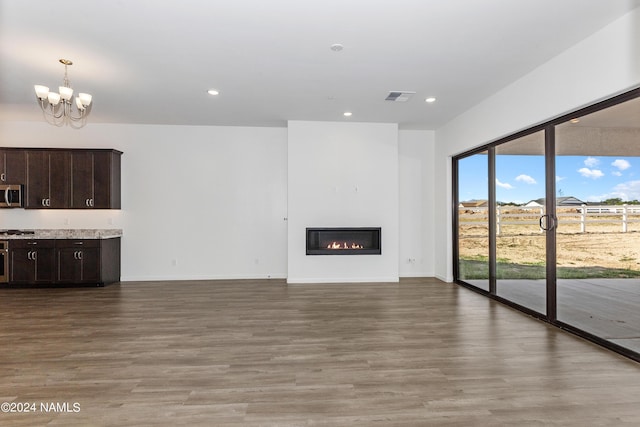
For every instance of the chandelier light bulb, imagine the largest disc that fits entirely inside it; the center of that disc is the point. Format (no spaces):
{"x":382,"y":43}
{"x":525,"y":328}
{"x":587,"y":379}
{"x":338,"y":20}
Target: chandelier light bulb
{"x":66,"y":93}
{"x":62,"y":108}
{"x":85,"y":98}
{"x":42,"y":92}
{"x":79,"y":103}
{"x":54,"y":98}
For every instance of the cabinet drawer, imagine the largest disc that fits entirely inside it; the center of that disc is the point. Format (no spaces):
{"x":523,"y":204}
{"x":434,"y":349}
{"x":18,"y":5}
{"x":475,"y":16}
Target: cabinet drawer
{"x":31,"y":243}
{"x":78,"y":243}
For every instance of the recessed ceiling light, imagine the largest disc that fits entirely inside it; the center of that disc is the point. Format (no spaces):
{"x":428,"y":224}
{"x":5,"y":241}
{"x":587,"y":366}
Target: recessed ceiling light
{"x":348,"y":113}
{"x":430,"y":100}
{"x":575,"y":120}
{"x":337,"y":47}
{"x":213,"y":92}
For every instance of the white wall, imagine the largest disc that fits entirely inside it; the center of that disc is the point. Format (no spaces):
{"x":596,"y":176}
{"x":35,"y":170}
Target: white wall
{"x":211,"y":198}
{"x":342,"y":175}
{"x":417,"y":186}
{"x":603,"y":65}
{"x":233,"y":182}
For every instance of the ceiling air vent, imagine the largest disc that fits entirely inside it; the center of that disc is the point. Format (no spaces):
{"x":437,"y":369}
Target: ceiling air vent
{"x":399,"y":96}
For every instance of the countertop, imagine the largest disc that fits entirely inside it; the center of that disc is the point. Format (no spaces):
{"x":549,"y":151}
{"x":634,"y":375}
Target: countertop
{"x":43,"y":233}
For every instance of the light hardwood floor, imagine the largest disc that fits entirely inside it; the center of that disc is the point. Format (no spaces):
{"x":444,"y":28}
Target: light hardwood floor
{"x":260,"y":353}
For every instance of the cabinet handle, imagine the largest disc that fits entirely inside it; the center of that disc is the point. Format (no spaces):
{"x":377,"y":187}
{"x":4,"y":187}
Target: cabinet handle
{"x":91,"y":202}
{"x":49,"y":202}
{"x":86,"y":202}
{"x":6,"y":196}
{"x":29,"y":255}
{"x":80,"y":255}
{"x":32,"y":243}
{"x":3,"y":176}
{"x":44,"y":202}
{"x":32,"y":255}
{"x":78,"y":243}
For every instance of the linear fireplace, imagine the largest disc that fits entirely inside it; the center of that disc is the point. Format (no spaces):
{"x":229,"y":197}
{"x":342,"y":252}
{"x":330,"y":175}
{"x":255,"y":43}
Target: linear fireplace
{"x":344,"y":241}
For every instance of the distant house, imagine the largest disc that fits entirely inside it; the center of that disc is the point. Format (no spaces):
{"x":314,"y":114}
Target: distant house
{"x":474,"y":204}
{"x":560,"y":201}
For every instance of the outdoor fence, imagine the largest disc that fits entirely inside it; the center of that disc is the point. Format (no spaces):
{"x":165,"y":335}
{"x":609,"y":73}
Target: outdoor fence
{"x":585,"y":218}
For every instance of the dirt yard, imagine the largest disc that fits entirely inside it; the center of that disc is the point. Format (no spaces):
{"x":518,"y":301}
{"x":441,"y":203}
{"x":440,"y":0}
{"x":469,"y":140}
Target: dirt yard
{"x":602,"y":244}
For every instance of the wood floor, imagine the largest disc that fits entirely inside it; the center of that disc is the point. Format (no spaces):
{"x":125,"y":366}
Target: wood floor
{"x":260,"y":353}
{"x":607,"y":308}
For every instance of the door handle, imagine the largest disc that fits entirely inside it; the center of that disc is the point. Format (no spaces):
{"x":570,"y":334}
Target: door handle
{"x":548,"y":222}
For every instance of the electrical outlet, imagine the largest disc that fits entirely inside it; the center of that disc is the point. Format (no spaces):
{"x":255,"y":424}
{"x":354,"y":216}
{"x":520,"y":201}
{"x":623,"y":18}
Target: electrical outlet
{"x":174,"y":262}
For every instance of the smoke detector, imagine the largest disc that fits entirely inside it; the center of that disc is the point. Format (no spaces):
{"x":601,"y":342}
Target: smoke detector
{"x":399,"y":95}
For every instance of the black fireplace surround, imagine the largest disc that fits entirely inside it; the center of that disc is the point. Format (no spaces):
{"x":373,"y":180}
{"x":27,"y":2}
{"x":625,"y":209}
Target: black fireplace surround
{"x":344,"y":241}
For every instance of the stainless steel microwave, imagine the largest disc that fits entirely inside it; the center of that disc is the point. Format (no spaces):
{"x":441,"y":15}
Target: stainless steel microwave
{"x":10,"y":196}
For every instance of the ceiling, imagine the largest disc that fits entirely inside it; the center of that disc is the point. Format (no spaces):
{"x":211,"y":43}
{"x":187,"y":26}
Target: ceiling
{"x":152,"y":61}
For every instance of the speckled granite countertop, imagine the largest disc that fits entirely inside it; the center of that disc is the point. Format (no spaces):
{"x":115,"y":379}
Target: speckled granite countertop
{"x":43,"y":233}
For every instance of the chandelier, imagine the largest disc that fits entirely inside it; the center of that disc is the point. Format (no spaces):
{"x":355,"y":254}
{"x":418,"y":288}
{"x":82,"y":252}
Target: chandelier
{"x":58,"y":108}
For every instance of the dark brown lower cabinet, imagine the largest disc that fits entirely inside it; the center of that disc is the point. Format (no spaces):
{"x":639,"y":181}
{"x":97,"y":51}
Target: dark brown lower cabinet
{"x":64,"y":261}
{"x":78,"y":261}
{"x":31,"y":261}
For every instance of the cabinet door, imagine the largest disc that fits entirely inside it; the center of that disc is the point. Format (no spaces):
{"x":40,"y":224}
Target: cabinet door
{"x":106,"y":178}
{"x":78,"y":265}
{"x":90,"y":261}
{"x":32,"y":265}
{"x":12,"y":167}
{"x":22,"y":267}
{"x":69,"y":266}
{"x":82,"y":180}
{"x":48,"y":175}
{"x":37,"y":187}
{"x":59,"y":179}
{"x":95,"y":180}
{"x":45,"y":265}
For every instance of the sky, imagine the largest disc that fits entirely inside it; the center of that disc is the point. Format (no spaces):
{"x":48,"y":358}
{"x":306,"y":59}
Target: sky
{"x":520,"y":179}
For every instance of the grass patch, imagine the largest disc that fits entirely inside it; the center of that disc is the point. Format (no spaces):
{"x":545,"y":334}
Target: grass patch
{"x":472,"y":269}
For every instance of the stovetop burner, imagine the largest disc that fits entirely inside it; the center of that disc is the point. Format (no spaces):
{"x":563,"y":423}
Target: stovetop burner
{"x":16,"y":232}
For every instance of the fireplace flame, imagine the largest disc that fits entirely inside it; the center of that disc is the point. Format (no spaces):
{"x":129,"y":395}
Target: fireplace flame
{"x":344,"y":245}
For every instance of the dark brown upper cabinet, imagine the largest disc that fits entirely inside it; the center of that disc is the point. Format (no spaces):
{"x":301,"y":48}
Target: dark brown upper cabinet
{"x":12,"y":167}
{"x":95,"y":179}
{"x":64,"y":178}
{"x":48,"y":178}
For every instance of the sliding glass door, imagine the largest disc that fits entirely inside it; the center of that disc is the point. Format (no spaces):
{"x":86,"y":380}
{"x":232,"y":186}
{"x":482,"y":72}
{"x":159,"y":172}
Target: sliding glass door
{"x":473,"y":220}
{"x":549,"y":221}
{"x":598,"y":169}
{"x":520,"y":221}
